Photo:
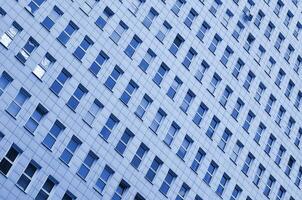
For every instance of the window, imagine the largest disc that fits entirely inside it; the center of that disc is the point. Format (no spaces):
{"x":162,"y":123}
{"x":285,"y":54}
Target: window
{"x":259,"y":132}
{"x":226,"y":55}
{"x":9,"y":159}
{"x":236,"y":193}
{"x":297,"y":30}
{"x":201,"y":70}
{"x":65,"y":35}
{"x":74,"y":100}
{"x":259,"y":17}
{"x":8,"y":36}
{"x":260,"y":53}
{"x":270,"y":142}
{"x":270,"y":103}
{"x":132,"y":46}
{"x":214,"y":83}
{"x":34,"y":120}
{"x":169,"y":179}
{"x":248,"y":163}
{"x":46,"y":189}
{"x":110,"y":124}
{"x":290,"y":165}
{"x":27,"y":175}
{"x":278,"y":7}
{"x":93,"y":111}
{"x":189,"y":57}
{"x":176,"y":84}
{"x":280,"y":115}
{"x":236,"y":151}
{"x":139,"y":197}
{"x":222,"y":184}
{"x":70,"y":149}
{"x":216,"y":40}
{"x":177,"y":6}
{"x":289,"y":51}
{"x":16,"y":105}
{"x":237,"y":68}
{"x":298,"y":138}
{"x":102,"y":181}
{"x":298,"y":100}
{"x":210,"y":172}
{"x":205,"y":27}
{"x":139,"y":155}
{"x":160,"y":74}
{"x":269,"y":186}
{"x":51,"y":137}
{"x":90,"y":159}
{"x":100,"y":60}
{"x":280,"y":154}
{"x":69,"y":196}
{"x":46,"y":62}
{"x":226,"y":18}
{"x":197,"y":160}
{"x":259,"y":174}
{"x":30,"y":46}
{"x":214,"y":7}
{"x":162,"y":33}
{"x":269,"y":30}
{"x":118,"y":32}
{"x":281,"y":193}
{"x":5,"y":80}
{"x":280,"y":77}
{"x":226,"y":136}
{"x":120,"y":190}
{"x":147,"y":60}
{"x":80,"y":52}
{"x":279,"y":41}
{"x":173,"y":130}
{"x":152,"y":14}
{"x":128,"y":92}
{"x":52,"y":18}
{"x":237,"y":108}
{"x":225,"y":96}
{"x":88,"y":5}
{"x":249,"y":42}
{"x":260,"y":90}
{"x":299,"y":178}
{"x":103,"y":19}
{"x":298,"y":64}
{"x":2,"y":12}
{"x":190,"y":18}
{"x":135,"y":5}
{"x":238,"y":30}
{"x":201,"y":111}
{"x":34,"y":5}
{"x":153,"y":169}
{"x":123,"y":142}
{"x":184,"y":147}
{"x":113,"y":77}
{"x":247,"y":123}
{"x":270,"y":65}
{"x":182,"y":193}
{"x":187,"y":101}
{"x":212,"y":127}
{"x":158,"y":120}
{"x":58,"y":84}
{"x":143,"y":106}
{"x":178,"y":41}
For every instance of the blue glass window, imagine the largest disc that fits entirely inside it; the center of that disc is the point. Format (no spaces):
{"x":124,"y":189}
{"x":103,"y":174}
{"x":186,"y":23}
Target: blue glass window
{"x":160,"y":74}
{"x":15,"y":106}
{"x":58,"y":84}
{"x":111,"y":123}
{"x":34,"y":120}
{"x":97,"y":64}
{"x":125,"y":139}
{"x":87,"y":164}
{"x":155,"y":165}
{"x":27,"y":50}
{"x":34,"y":5}
{"x":51,"y":19}
{"x":130,"y":89}
{"x":70,"y":149}
{"x":103,"y":179}
{"x":104,"y":17}
{"x":135,"y":42}
{"x":70,"y":29}
{"x":81,"y":50}
{"x":53,"y":134}
{"x":74,"y":100}
{"x":5,"y":80}
{"x":113,"y":77}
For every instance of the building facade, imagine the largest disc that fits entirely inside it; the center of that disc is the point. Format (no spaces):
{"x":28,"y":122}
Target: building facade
{"x":150,"y":99}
